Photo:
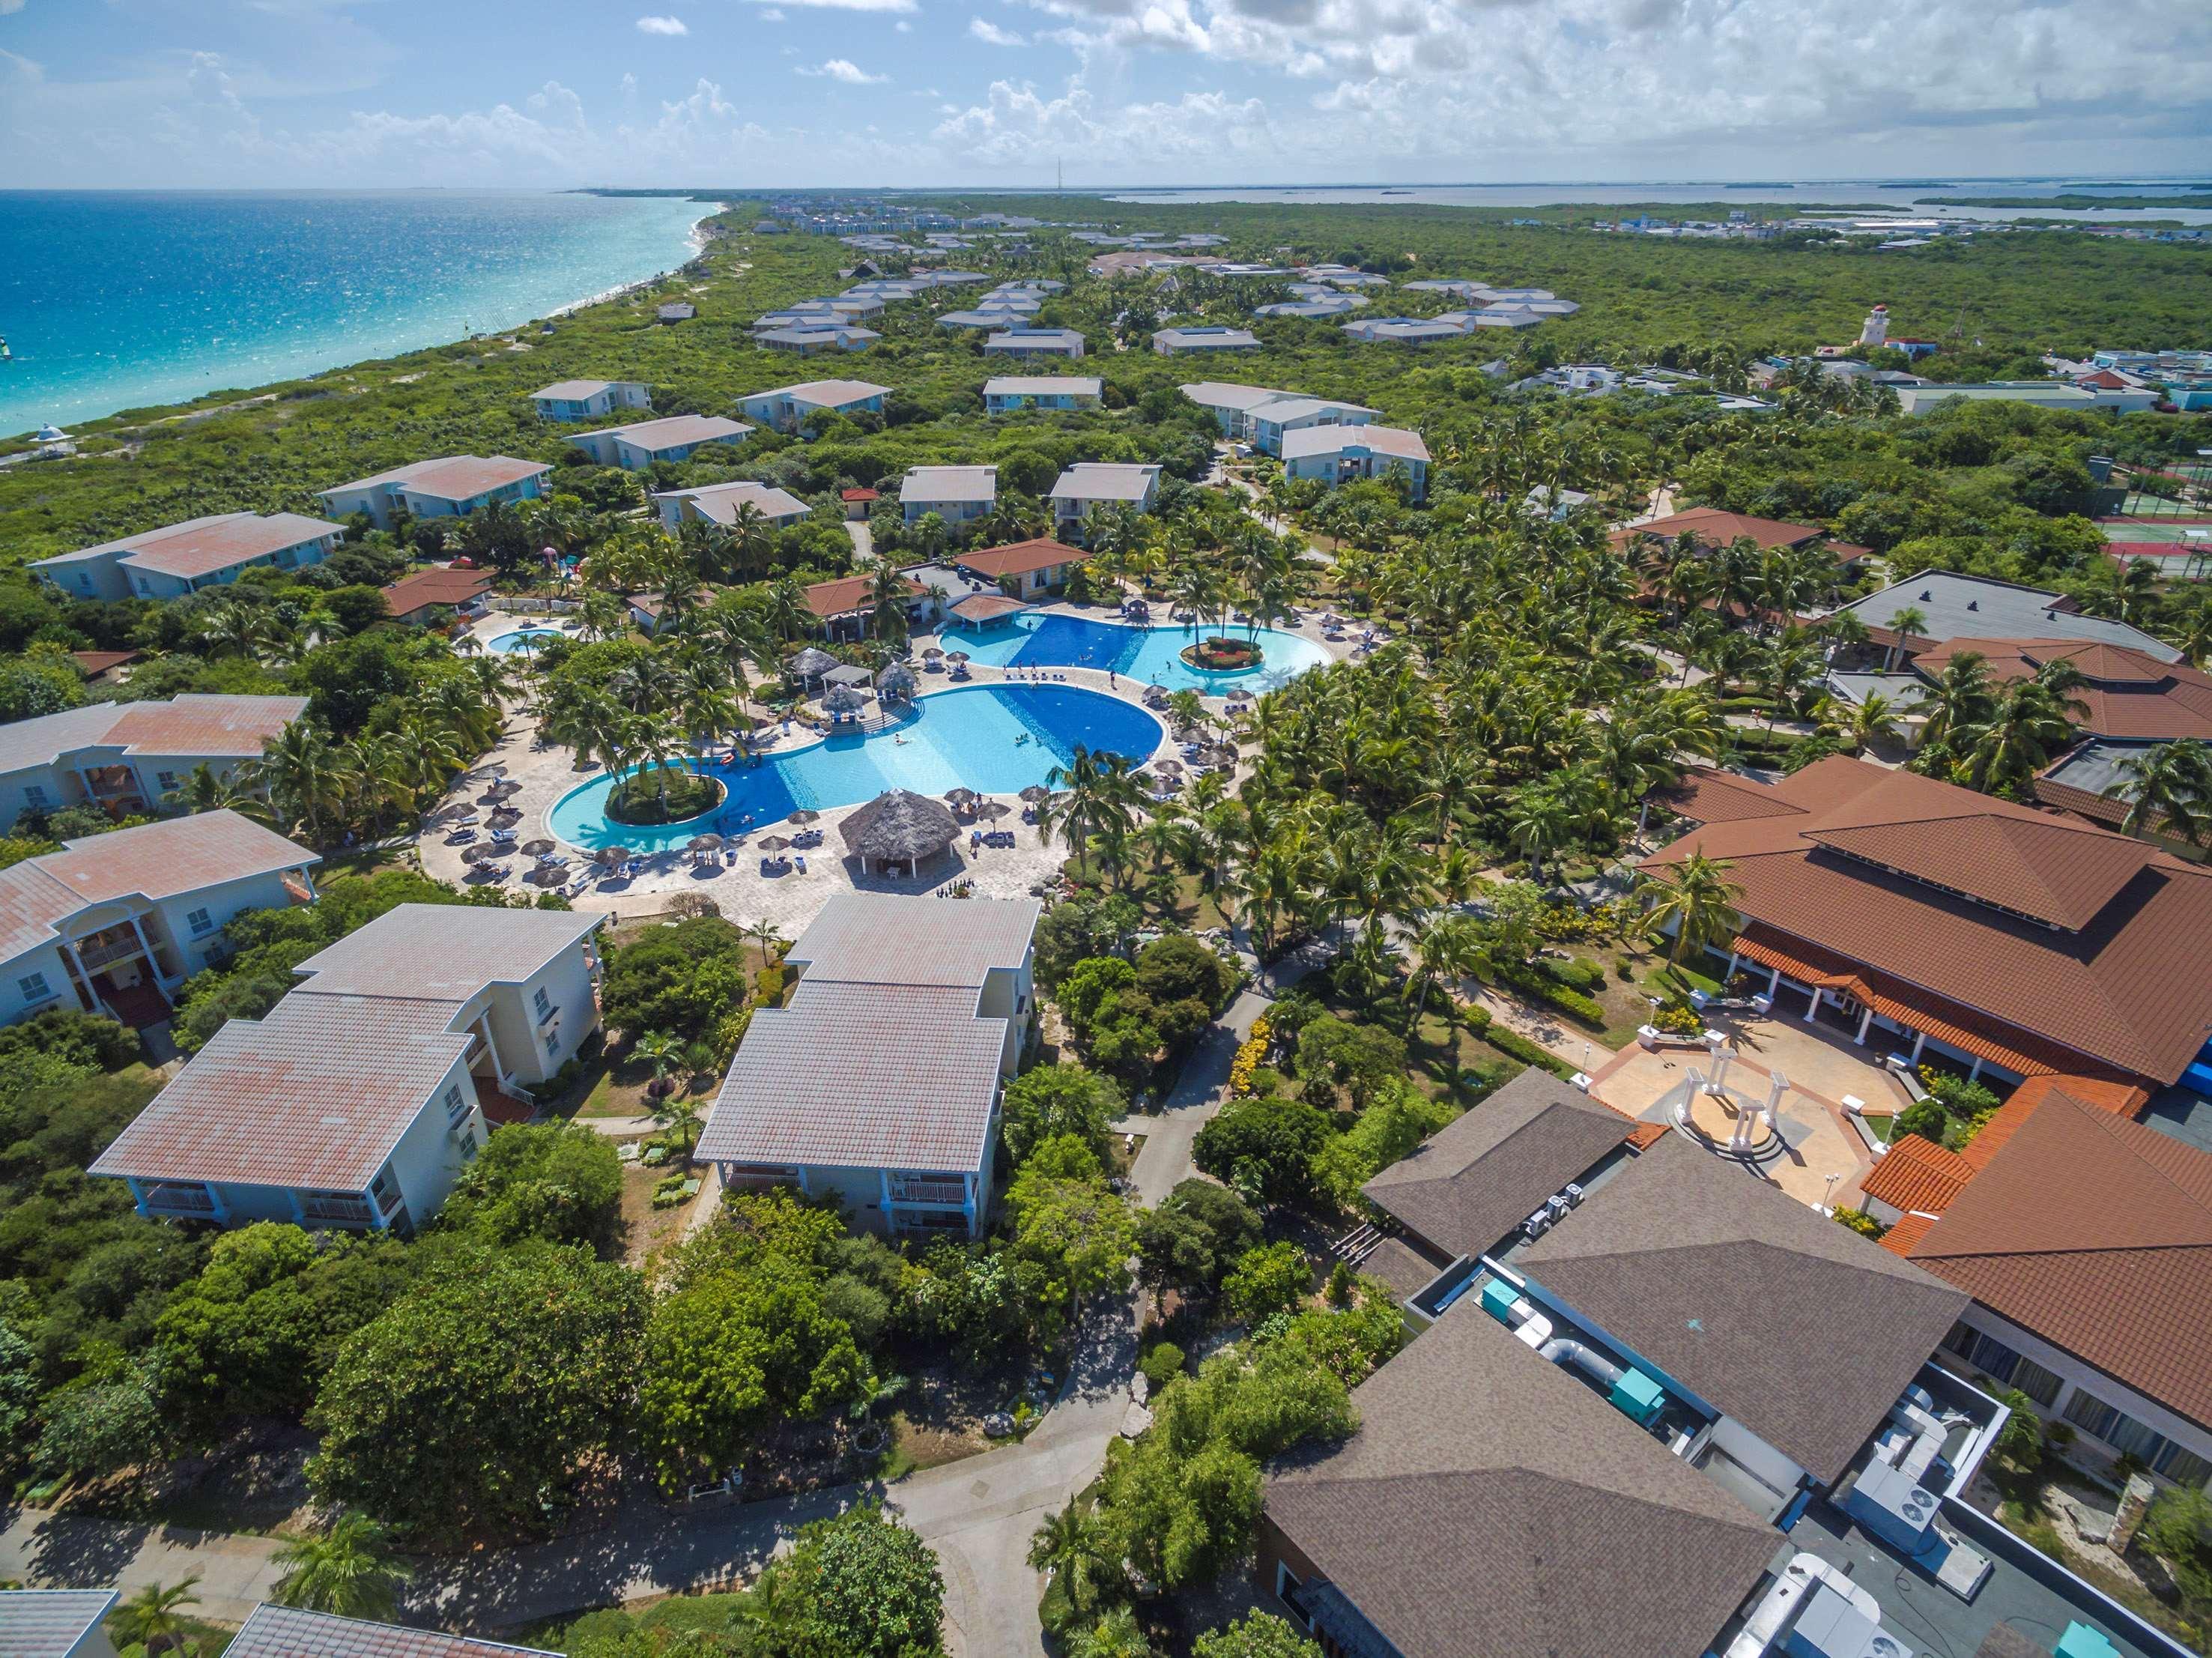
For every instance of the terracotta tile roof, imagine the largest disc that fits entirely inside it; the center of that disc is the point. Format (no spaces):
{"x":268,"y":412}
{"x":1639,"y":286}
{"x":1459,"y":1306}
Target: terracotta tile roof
{"x":2095,"y":1232}
{"x":49,"y":1622}
{"x":1917,"y":1174}
{"x":986,"y":607}
{"x":850,"y":593}
{"x":2131,"y":694}
{"x":1909,"y":1231}
{"x":93,"y":663}
{"x":314,"y":1096}
{"x":1489,"y":1501}
{"x":1714,"y":528}
{"x":1480,"y":1175}
{"x":435,"y":587}
{"x":1018,"y":557}
{"x":857,"y":494}
{"x":2105,"y":991}
{"x":1658,"y":1256}
{"x":449,"y":477}
{"x":204,"y":726}
{"x":274,"y":1631}
{"x":1704,"y":796}
{"x":1305,"y":441}
{"x":2044,"y":867}
{"x":201,"y":547}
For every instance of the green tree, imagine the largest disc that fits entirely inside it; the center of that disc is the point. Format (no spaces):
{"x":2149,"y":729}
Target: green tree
{"x":346,"y":1570}
{"x":1698,"y":901}
{"x":1069,"y":1226}
{"x":1270,"y":1279}
{"x":1256,"y":1634}
{"x":872,"y":1586}
{"x":1348,"y":1063}
{"x":1190,"y":1240}
{"x":560,"y":1182}
{"x":423,"y":1417}
{"x":1051,"y":1100}
{"x":154,"y":1616}
{"x":1263,"y":1148}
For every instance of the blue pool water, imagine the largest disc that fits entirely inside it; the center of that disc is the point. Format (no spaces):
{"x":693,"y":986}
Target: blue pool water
{"x":524,"y":639}
{"x":1150,"y":656}
{"x":996,"y":740}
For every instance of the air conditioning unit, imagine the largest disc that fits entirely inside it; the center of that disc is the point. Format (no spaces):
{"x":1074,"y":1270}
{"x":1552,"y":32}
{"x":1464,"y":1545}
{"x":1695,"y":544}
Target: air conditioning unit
{"x":1557,"y":1207}
{"x":1537,"y":1224}
{"x":1573,"y":1194}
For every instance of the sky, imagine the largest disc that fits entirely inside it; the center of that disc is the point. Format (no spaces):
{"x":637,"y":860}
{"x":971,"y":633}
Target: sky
{"x":725,"y":93}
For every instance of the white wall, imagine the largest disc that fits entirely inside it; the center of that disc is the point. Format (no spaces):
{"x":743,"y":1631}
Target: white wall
{"x":430,"y":1157}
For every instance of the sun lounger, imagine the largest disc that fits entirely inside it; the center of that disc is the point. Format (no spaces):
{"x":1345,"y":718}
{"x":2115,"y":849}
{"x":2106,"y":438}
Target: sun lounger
{"x":802,"y":866}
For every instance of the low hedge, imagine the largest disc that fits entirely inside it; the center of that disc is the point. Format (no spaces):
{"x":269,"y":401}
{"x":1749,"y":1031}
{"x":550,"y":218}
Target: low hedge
{"x":1544,"y":988}
{"x":1515,"y":1046}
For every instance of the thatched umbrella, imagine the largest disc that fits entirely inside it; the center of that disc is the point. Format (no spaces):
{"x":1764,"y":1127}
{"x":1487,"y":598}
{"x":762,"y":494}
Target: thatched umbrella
{"x":843,"y":699}
{"x":481,"y":855}
{"x":805,"y":815}
{"x":699,"y":843}
{"x":486,"y":773}
{"x":1175,"y":766}
{"x":899,"y":827}
{"x":956,"y":655}
{"x":810,"y":664}
{"x":1036,"y":794}
{"x":454,"y":816}
{"x":896,"y":681}
{"x":775,"y":843}
{"x":612,"y":855}
{"x":992,"y":809}
{"x":535,"y":848}
{"x":960,"y":798}
{"x":1238,"y":693}
{"x":931,"y":651}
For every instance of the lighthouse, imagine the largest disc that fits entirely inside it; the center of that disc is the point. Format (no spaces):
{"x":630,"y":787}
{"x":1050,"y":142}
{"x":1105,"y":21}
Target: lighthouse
{"x":1876,"y":329}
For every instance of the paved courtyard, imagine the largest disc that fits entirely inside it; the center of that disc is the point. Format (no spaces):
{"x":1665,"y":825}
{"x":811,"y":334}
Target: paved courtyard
{"x":543,"y":772}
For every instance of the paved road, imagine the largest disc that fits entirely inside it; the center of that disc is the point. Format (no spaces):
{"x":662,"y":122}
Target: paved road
{"x":863,"y":539}
{"x":977,"y":1513}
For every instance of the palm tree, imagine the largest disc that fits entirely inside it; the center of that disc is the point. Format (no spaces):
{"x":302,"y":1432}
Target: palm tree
{"x":2169,"y":790}
{"x":305,"y":774}
{"x":1095,"y":800}
{"x":1960,"y":700}
{"x":206,"y":790}
{"x":1539,"y":822}
{"x":154,"y":1616}
{"x":1870,"y":721}
{"x":1699,"y":900}
{"x":346,"y":1571}
{"x":1443,"y":949}
{"x":887,"y":602}
{"x":1072,"y":1547}
{"x":1905,"y":622}
{"x":680,"y":1113}
{"x":2030,"y":722}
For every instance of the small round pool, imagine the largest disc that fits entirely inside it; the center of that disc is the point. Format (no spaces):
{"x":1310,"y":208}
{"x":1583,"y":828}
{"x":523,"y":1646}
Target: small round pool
{"x":1148,"y":654}
{"x":523,"y":639}
{"x":996,"y":740}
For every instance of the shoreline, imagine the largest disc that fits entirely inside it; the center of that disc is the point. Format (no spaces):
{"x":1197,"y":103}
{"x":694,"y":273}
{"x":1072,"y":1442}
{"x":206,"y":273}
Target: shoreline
{"x":698,"y":243}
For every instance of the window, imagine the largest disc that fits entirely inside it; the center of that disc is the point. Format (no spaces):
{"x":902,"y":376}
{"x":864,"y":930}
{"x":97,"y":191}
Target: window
{"x":384,"y":1189}
{"x":33,"y":987}
{"x":35,"y":794}
{"x":553,"y":1040}
{"x":200,"y":922}
{"x":542,"y":1001}
{"x":2131,"y":1438}
{"x":166,"y":782}
{"x":457,"y":1105}
{"x":1286,"y":1591}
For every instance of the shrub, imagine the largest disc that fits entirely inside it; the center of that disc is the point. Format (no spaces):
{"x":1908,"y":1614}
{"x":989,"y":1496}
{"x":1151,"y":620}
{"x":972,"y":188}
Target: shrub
{"x":1677,"y":1019}
{"x":1273,"y":1278}
{"x":1161,"y":1365}
{"x":1860,"y":1222}
{"x":1514,"y":1045}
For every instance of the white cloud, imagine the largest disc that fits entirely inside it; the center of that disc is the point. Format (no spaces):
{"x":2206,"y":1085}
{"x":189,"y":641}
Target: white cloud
{"x":842,"y":69}
{"x":903,"y":27}
{"x":7,"y":6}
{"x":661,"y":26}
{"x":771,"y":14}
{"x":991,"y":34}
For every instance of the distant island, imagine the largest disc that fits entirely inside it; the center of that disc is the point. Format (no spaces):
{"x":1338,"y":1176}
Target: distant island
{"x":2072,"y":202}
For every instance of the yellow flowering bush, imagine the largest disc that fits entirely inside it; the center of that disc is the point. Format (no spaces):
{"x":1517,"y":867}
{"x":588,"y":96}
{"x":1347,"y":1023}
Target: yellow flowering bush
{"x":1249,"y":1055}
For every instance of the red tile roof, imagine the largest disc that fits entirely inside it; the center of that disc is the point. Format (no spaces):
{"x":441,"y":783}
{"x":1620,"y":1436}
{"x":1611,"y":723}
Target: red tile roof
{"x":450,"y":478}
{"x":201,"y":547}
{"x":435,"y":587}
{"x":857,"y":494}
{"x":205,"y":725}
{"x":93,"y":663}
{"x":1909,"y":1231}
{"x":1707,"y":796}
{"x":986,"y":607}
{"x":1018,"y":557}
{"x":2131,"y":694}
{"x":1713,"y":527}
{"x":1917,"y":1174}
{"x":2103,"y":991}
{"x":849,"y":594}
{"x":2095,"y":1233}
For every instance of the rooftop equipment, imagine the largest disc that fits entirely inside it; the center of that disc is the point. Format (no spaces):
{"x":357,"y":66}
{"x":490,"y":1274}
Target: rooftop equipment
{"x":1831,"y":1626}
{"x":1902,"y":1514}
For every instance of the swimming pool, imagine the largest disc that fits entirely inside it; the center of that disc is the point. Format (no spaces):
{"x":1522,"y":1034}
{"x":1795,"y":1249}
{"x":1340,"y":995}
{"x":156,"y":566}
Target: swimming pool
{"x":524,"y":638}
{"x":996,"y":740}
{"x":1150,"y":656}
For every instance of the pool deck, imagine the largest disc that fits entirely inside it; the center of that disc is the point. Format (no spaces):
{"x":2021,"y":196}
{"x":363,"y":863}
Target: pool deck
{"x":546,"y":772}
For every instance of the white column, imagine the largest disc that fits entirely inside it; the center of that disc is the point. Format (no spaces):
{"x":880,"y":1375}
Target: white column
{"x":1865,"y":1020}
{"x":1919,"y":1041}
{"x":1734,"y":957}
{"x":1813,"y":1005}
{"x":1771,"y":1111}
{"x":1774,"y":983}
{"x":1975,"y":1074}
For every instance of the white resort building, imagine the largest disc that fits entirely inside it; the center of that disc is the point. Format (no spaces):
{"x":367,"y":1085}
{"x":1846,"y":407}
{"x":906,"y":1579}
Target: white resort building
{"x":452,"y":487}
{"x":586,"y":400}
{"x":359,"y":1098}
{"x":129,"y":757}
{"x":635,"y":447}
{"x":879,"y":1083}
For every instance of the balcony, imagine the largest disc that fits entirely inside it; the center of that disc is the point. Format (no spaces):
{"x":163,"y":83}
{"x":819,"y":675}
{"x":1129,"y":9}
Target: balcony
{"x":188,"y":1201}
{"x":945,"y":1192}
{"x":105,"y":951}
{"x":335,"y":1209}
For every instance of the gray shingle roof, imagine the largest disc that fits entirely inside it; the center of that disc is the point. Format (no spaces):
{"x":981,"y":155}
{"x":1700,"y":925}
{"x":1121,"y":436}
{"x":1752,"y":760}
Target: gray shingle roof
{"x":1479,"y":1177}
{"x":49,"y":1622}
{"x":1491,"y":1504}
{"x":275,"y":1631}
{"x":1979,"y":606}
{"x":1801,"y":1330}
{"x":444,"y":951}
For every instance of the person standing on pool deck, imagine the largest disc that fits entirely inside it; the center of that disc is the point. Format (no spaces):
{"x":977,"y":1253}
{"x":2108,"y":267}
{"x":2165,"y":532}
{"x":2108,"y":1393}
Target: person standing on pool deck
{"x":1111,"y":682}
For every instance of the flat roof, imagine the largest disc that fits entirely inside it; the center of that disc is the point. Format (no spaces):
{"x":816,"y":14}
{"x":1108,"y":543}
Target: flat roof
{"x":1759,"y":1305}
{"x":201,"y":547}
{"x":275,"y":1631}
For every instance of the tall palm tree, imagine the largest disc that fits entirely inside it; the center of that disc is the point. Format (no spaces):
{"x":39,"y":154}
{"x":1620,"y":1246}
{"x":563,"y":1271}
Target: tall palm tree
{"x":1095,"y":801}
{"x":153,"y":1617}
{"x":2030,"y":722}
{"x":1699,"y":900}
{"x":887,"y":598}
{"x":1072,"y":1546}
{"x":305,"y":774}
{"x":347,"y":1571}
{"x":206,"y":790}
{"x":1906,"y":621}
{"x":1538,"y":822}
{"x":2169,"y":790}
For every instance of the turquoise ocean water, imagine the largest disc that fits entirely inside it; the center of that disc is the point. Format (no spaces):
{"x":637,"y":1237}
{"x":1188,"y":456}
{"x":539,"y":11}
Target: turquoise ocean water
{"x":111,"y":300}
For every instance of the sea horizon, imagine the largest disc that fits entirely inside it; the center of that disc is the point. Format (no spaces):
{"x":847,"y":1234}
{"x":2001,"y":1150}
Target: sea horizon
{"x":139,"y":298}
